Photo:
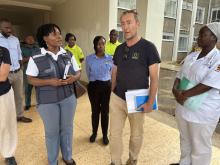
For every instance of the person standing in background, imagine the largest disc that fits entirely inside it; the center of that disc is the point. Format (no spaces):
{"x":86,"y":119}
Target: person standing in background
{"x":27,"y":48}
{"x":8,"y":124}
{"x":99,"y":69}
{"x":74,"y":48}
{"x":112,"y":44}
{"x":15,"y":77}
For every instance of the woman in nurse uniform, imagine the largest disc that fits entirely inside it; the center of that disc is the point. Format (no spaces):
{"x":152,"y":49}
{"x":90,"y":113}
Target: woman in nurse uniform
{"x":197,"y":92}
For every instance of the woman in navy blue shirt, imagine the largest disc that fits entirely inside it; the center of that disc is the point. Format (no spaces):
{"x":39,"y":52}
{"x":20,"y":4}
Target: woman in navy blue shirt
{"x":98,"y":69}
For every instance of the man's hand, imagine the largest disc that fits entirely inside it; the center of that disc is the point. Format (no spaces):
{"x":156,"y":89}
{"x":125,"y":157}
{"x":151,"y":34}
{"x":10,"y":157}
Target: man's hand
{"x":147,"y":107}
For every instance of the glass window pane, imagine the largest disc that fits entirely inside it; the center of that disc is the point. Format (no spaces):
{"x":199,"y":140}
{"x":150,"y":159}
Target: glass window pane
{"x":218,"y":15}
{"x":129,"y":4}
{"x":183,"y":42}
{"x":214,"y":13}
{"x":170,"y":8}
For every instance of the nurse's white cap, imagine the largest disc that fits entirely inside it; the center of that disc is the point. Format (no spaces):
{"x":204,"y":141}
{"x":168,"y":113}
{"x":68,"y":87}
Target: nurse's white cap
{"x":215,"y":28}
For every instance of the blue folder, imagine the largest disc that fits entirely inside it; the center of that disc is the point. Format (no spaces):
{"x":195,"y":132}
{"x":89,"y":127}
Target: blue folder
{"x":140,"y":100}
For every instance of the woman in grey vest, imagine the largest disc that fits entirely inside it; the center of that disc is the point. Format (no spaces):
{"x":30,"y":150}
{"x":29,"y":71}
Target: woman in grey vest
{"x":52,"y":71}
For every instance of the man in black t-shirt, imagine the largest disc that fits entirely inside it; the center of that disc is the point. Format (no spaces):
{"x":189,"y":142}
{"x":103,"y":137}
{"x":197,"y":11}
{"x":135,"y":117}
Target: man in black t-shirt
{"x":8,"y":123}
{"x":135,"y":61}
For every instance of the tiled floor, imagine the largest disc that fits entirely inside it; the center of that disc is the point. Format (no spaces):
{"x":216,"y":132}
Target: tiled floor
{"x":160,"y":147}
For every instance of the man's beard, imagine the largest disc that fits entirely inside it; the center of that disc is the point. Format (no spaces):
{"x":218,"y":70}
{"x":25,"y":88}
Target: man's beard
{"x":131,"y":37}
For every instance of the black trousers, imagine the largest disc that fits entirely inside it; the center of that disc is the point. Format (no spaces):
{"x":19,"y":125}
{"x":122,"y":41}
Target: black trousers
{"x":99,"y":96}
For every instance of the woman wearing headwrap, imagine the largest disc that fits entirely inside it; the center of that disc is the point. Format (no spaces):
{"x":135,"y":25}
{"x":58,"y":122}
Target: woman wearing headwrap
{"x":197,"y":92}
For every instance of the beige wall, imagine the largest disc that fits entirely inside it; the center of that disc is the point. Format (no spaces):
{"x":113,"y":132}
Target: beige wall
{"x":39,"y":19}
{"x":141,"y":9}
{"x":113,"y":14}
{"x":85,"y":19}
{"x":25,"y":21}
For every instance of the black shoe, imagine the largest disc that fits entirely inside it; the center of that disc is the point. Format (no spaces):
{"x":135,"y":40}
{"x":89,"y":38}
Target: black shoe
{"x":10,"y":161}
{"x":26,"y":108}
{"x":131,"y":162}
{"x":105,"y":140}
{"x":174,"y":164}
{"x":24,"y":119}
{"x":71,"y":163}
{"x":92,"y":138}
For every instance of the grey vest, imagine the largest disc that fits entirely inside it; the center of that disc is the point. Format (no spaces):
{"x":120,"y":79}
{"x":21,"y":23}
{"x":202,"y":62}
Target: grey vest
{"x":49,"y":68}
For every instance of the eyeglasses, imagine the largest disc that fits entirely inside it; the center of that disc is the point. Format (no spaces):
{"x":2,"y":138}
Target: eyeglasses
{"x":126,"y":51}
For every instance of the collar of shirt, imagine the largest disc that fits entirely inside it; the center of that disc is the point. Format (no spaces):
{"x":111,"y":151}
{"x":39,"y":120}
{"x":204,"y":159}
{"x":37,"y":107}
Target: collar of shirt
{"x":55,"y":56}
{"x":5,"y":37}
{"x":71,"y":47}
{"x":208,"y":56}
{"x":116,"y":43}
{"x":96,"y":57}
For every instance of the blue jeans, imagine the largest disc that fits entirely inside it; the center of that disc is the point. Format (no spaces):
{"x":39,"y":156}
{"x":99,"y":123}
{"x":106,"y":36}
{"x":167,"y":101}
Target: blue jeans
{"x":58,"y":125}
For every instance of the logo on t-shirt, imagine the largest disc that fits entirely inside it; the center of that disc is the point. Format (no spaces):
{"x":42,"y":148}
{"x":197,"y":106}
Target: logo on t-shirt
{"x":135,"y":56}
{"x":218,"y":69}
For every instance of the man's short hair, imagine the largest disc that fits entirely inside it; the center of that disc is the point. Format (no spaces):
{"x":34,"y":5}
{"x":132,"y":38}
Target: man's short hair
{"x":68,"y":36}
{"x":113,"y":31}
{"x":4,"y":20}
{"x":133,"y":11}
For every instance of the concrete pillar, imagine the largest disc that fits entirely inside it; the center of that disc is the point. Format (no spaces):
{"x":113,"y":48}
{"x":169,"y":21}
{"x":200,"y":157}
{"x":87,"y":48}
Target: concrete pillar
{"x":113,"y":4}
{"x":151,"y":14}
{"x":192,"y":25}
{"x":177,"y":29}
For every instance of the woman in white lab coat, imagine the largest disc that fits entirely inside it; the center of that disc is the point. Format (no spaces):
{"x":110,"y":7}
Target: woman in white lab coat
{"x":197,"y":92}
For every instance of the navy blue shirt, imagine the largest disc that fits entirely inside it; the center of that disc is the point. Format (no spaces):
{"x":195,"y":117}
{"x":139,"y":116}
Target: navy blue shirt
{"x":99,"y":68}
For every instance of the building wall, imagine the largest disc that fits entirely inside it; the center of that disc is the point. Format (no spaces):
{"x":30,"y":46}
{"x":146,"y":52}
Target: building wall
{"x":185,"y":22}
{"x":215,"y":3}
{"x":154,"y":22}
{"x":24,"y":23}
{"x":141,"y":9}
{"x":85,"y":19}
{"x":167,"y":50}
{"x":167,"y":46}
{"x":205,"y":4}
{"x":169,"y":26}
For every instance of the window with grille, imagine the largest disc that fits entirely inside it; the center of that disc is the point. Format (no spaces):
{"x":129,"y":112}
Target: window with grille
{"x":183,"y":43}
{"x":200,"y":15}
{"x":168,"y":36}
{"x":215,"y":15}
{"x":170,"y":8}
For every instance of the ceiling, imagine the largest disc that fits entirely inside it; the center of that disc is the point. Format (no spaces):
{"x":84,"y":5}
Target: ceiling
{"x":42,"y":2}
{"x":32,"y":4}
